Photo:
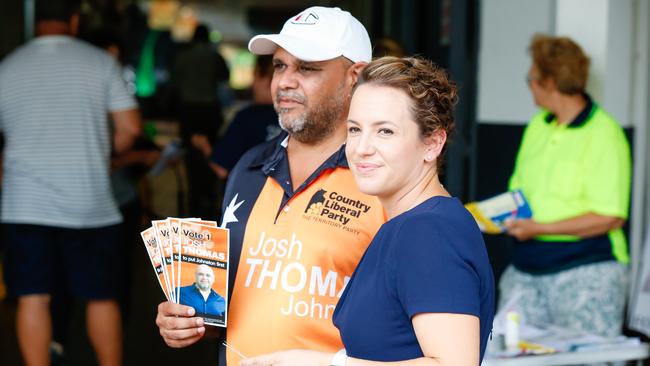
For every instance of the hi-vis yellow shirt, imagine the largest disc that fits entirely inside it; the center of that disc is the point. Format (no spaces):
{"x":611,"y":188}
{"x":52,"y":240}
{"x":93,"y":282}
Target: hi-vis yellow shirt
{"x":296,"y":257}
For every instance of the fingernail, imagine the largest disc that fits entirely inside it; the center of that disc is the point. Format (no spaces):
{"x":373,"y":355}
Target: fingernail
{"x":190,"y":311}
{"x":200,"y":330}
{"x":199,"y":322}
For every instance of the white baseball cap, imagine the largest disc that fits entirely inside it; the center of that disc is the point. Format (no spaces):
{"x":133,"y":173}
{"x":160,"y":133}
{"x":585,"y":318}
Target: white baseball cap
{"x":318,"y":34}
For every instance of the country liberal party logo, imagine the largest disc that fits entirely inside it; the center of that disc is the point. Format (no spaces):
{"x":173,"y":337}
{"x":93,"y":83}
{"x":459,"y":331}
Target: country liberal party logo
{"x":333,"y":207}
{"x":305,"y":19}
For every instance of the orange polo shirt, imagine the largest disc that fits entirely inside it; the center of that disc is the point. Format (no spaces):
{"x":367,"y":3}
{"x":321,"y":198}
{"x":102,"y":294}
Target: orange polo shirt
{"x":298,"y":250}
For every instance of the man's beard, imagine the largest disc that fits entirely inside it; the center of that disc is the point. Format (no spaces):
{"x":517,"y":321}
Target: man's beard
{"x":202,"y":287}
{"x":314,"y":124}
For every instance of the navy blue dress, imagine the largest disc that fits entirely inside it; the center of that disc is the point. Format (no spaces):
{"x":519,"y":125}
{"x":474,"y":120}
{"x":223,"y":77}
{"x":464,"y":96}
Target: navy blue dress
{"x":430,"y":259}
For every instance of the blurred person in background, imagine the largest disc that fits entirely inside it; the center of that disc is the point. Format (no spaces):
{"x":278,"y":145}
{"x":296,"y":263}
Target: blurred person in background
{"x":387,"y":46}
{"x":107,"y":39}
{"x":127,"y":171}
{"x":196,"y":75}
{"x":59,"y":215}
{"x":570,"y":259}
{"x":251,"y":126}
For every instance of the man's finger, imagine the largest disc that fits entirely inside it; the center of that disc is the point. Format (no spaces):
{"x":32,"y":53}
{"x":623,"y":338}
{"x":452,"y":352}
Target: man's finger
{"x":169,"y":308}
{"x":180,"y":343}
{"x":176,"y":323}
{"x":182,"y":334}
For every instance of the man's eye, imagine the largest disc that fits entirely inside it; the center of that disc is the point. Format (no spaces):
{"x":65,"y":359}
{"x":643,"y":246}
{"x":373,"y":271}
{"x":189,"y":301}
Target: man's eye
{"x":305,"y":68}
{"x":279,"y":66}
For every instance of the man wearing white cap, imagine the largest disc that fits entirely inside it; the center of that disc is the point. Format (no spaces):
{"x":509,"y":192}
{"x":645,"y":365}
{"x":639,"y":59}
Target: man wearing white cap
{"x":298,"y":223}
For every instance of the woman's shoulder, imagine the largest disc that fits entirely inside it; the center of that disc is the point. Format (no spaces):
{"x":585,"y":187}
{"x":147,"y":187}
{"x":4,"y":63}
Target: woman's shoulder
{"x":437,"y":209}
{"x":437,"y":217}
{"x":440,"y":234}
{"x":541,"y":116}
{"x":605,"y":123}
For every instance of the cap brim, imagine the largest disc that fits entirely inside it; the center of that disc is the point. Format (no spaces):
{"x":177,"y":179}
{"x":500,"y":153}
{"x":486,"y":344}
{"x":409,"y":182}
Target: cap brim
{"x":266,"y":44}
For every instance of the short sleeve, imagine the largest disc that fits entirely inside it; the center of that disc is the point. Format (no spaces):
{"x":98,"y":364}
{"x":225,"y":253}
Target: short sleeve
{"x":119,"y":97}
{"x":432,"y":275}
{"x":608,"y":173}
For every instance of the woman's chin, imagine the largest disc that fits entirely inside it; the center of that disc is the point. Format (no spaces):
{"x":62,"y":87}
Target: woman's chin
{"x":369,"y":188}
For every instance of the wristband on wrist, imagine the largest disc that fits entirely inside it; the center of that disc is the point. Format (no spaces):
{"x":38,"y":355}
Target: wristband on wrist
{"x":340,"y":358}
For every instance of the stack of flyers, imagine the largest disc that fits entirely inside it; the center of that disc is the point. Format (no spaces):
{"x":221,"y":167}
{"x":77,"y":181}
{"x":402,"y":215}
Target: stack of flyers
{"x":491,"y":214}
{"x":190,"y":258}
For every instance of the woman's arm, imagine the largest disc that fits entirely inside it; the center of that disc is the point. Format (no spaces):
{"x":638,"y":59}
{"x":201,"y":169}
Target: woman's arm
{"x":584,"y":226}
{"x":445,"y":339}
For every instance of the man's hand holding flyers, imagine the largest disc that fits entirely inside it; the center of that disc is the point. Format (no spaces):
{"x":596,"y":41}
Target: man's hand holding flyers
{"x":190,"y":259}
{"x":178,"y":325}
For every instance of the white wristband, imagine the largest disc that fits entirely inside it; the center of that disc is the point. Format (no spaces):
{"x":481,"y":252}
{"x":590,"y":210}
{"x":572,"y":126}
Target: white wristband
{"x":340,"y":358}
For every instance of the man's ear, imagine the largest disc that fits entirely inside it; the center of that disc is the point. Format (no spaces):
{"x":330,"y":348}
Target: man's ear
{"x":354,"y":71}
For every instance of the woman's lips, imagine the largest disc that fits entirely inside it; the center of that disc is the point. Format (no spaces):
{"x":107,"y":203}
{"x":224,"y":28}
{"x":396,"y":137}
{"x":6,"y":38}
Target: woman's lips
{"x":366,"y":167}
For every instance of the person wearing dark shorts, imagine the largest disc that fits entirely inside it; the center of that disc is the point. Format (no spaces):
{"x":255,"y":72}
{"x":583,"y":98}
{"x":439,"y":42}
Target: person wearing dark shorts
{"x":59,"y":215}
{"x":40,"y":257}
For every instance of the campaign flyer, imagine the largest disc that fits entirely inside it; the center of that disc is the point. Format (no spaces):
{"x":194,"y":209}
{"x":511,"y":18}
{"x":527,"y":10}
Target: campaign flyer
{"x":153,"y":252}
{"x":203,"y":259}
{"x":163,"y":237}
{"x":174,"y":235}
{"x":490,"y":214}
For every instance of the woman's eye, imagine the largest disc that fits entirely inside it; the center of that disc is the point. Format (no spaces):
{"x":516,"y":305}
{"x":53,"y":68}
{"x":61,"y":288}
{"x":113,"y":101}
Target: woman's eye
{"x":385,"y":131}
{"x":353,"y":129}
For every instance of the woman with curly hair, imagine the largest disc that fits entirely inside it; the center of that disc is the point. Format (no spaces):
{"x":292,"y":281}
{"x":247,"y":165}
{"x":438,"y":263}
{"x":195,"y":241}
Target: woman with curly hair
{"x":423,"y":293}
{"x":569,"y":264}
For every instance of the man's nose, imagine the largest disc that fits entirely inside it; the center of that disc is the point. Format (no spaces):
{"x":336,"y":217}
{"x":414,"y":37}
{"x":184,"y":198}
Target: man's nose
{"x":287,"y":79}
